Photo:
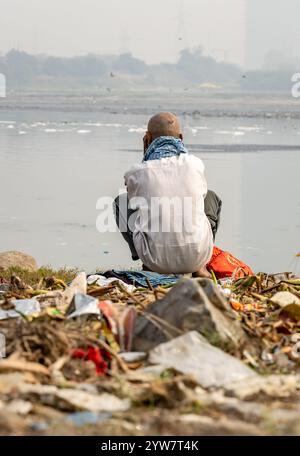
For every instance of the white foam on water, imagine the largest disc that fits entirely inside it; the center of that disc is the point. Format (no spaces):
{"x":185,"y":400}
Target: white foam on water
{"x":50,"y":130}
{"x":223,"y":132}
{"x":232,"y":133}
{"x":93,"y":124}
{"x":39,"y":124}
{"x":7,"y":122}
{"x":254,"y":128}
{"x":116,"y":125}
{"x":10,"y":127}
{"x":84,"y":132}
{"x":136,"y":130}
{"x":22,"y":132}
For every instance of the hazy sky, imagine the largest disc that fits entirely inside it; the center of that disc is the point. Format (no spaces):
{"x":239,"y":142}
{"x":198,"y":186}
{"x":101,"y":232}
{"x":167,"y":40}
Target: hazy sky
{"x":271,"y":25}
{"x":150,"y":29}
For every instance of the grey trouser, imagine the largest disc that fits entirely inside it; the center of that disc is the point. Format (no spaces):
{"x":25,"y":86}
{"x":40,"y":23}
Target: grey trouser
{"x":212,"y":209}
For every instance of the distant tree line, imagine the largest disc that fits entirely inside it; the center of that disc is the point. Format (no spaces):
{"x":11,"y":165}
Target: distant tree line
{"x":193,"y":69}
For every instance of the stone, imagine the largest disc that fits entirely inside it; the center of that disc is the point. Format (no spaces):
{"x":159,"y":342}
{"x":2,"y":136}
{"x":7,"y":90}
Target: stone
{"x":191,"y":305}
{"x":17,"y":259}
{"x":214,"y":294}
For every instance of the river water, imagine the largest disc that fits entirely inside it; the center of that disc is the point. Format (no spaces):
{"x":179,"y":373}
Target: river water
{"x":58,"y":155}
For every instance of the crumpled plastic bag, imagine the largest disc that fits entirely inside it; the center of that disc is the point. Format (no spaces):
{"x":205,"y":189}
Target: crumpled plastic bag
{"x":192,"y":354}
{"x":26,"y":307}
{"x":85,"y":305}
{"x":98,"y":279}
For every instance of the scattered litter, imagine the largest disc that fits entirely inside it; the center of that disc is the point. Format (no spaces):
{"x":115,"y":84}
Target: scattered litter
{"x":27,"y":307}
{"x":292,"y":311}
{"x":142,"y":278}
{"x":19,"y":406}
{"x":92,"y":354}
{"x":78,"y":286}
{"x":84,"y":305}
{"x":8,"y":365}
{"x":8,"y":382}
{"x":189,"y":354}
{"x":104,"y":402}
{"x":79,"y":351}
{"x":4,"y":287}
{"x":133,"y":357}
{"x":204,"y":310}
{"x":284,"y":298}
{"x":80,"y":419}
{"x":6,"y":314}
{"x":22,"y":307}
{"x":104,"y":281}
{"x":101,"y":403}
{"x":280,"y":386}
{"x":39,"y":427}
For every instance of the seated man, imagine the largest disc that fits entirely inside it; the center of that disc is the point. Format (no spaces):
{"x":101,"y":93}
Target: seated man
{"x":167,"y":217}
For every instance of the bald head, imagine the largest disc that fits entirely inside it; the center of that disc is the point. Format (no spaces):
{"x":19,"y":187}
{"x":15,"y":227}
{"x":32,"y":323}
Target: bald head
{"x":164,"y":124}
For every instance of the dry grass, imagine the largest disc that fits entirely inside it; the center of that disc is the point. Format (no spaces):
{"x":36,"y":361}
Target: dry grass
{"x":34,"y":277}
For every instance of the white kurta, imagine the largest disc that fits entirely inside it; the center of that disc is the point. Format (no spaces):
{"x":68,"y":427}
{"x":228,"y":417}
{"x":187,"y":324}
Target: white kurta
{"x":171,"y":231}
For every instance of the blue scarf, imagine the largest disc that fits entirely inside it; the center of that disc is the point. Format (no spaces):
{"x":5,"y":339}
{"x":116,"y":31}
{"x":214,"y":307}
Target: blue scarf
{"x":164,"y":146}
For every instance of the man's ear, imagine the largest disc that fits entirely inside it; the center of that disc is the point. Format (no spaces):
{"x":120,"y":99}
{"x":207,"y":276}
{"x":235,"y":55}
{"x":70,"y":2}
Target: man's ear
{"x":147,"y":141}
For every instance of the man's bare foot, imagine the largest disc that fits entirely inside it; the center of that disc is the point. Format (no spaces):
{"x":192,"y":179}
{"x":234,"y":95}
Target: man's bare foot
{"x":203,"y":273}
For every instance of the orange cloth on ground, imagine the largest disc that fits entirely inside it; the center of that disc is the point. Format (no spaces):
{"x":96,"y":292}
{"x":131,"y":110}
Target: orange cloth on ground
{"x":223,"y":264}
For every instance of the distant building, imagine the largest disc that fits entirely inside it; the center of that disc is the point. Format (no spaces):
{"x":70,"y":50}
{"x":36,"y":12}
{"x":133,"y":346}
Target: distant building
{"x":271,"y":25}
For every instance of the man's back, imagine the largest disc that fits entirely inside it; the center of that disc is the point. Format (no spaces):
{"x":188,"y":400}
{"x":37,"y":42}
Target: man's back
{"x":172,"y":232}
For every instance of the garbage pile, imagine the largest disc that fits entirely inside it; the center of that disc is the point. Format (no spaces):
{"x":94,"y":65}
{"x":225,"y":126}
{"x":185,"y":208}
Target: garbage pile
{"x":103,"y":355}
